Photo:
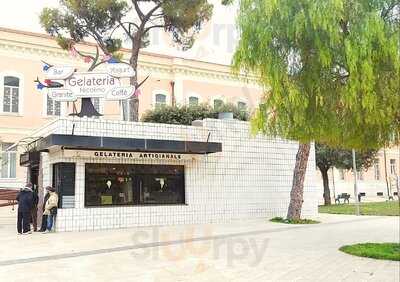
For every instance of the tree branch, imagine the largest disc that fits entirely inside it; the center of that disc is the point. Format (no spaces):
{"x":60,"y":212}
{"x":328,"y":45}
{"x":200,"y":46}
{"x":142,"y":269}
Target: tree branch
{"x":137,"y":9}
{"x":121,"y":24}
{"x":159,"y":15}
{"x":385,"y":12}
{"x":343,"y":25}
{"x":93,"y":65}
{"x":150,"y":13}
{"x":98,"y":64}
{"x":143,"y":81}
{"x":153,"y":26}
{"x":83,"y":55}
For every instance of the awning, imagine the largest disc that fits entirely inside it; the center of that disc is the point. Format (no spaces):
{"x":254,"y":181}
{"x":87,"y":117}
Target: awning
{"x":29,"y":158}
{"x":79,"y":142}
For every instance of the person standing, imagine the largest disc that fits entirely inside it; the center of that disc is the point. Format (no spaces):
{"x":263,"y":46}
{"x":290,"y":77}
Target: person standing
{"x":34,"y":208}
{"x":25,"y":203}
{"x":44,"y":216}
{"x":51,"y":208}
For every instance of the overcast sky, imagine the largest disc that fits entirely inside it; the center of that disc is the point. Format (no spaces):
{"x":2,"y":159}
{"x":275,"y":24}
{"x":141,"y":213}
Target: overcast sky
{"x":215,"y":43}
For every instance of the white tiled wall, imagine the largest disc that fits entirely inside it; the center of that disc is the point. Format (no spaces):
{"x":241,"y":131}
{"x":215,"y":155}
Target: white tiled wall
{"x":250,"y":178}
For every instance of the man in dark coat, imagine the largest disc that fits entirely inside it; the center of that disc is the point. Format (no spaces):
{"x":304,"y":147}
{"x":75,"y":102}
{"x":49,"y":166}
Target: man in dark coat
{"x":34,"y":209}
{"x":25,"y":203}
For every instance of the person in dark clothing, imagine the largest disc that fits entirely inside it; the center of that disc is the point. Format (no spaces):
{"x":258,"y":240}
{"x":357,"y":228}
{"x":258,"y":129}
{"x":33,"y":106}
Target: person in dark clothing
{"x":25,"y":202}
{"x":44,"y":216}
{"x":34,"y":209}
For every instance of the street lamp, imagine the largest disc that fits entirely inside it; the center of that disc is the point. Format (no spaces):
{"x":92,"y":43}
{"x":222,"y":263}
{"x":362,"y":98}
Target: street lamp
{"x":355,"y":183}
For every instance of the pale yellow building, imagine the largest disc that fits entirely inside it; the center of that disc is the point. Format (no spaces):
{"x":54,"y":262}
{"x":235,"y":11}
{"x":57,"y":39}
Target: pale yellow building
{"x":379,"y":182}
{"x":24,"y":108}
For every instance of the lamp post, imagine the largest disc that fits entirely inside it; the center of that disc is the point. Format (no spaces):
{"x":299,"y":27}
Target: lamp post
{"x":333,"y":184}
{"x":355,"y":183}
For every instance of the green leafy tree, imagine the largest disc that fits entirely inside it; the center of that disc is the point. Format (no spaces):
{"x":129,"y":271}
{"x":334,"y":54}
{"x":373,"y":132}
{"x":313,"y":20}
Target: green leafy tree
{"x":327,"y":157}
{"x":331,"y":70}
{"x":77,"y":20}
{"x":187,"y":114}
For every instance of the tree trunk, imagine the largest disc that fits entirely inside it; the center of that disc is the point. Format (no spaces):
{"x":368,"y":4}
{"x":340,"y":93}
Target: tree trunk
{"x":386,"y":173}
{"x":296,"y":195}
{"x":133,"y":109}
{"x":327,"y":191}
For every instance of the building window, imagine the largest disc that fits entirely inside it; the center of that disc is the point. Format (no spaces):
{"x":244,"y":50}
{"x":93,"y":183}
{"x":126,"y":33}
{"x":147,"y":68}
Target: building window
{"x":53,"y":107}
{"x":125,"y":109}
{"x":193,"y":101}
{"x":97,"y":105}
{"x":160,"y":100}
{"x":341,"y":174}
{"x":8,"y":159}
{"x":393,"y":166}
{"x":242,"y":106}
{"x":218,"y":103}
{"x":121,"y":184}
{"x":377,"y":171}
{"x":11,"y":94}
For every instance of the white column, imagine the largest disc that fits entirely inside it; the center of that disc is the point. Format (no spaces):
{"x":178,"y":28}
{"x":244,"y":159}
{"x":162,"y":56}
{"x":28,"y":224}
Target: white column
{"x":178,"y":80}
{"x":80,"y":185}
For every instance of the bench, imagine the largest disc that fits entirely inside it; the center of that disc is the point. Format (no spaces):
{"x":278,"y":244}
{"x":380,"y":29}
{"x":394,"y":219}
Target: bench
{"x":361,"y":194}
{"x":343,"y":196}
{"x":9,"y":196}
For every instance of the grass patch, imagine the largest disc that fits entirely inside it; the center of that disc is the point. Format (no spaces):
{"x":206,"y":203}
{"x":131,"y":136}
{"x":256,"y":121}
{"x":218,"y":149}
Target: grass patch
{"x":293,"y":221}
{"x":386,"y":251}
{"x":391,"y":208}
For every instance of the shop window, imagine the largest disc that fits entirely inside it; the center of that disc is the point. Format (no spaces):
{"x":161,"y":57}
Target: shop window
{"x":377,"y":172}
{"x":193,"y":101}
{"x":11,"y":94}
{"x":125,"y":106}
{"x":392,"y":166}
{"x":64,"y":183}
{"x":8,"y":160}
{"x":160,"y":100}
{"x":53,"y":107}
{"x":120,"y":184}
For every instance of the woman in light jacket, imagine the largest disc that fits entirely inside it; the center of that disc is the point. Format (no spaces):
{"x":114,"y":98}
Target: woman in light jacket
{"x":51,"y":208}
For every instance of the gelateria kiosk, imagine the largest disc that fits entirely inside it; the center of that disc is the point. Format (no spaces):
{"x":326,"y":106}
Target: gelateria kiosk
{"x":114,"y":174}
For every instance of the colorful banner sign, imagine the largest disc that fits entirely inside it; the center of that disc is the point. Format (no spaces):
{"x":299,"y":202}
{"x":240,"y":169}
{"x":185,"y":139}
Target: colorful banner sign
{"x":120,"y":70}
{"x":61,"y":94}
{"x":65,"y":85}
{"x":120,"y":93}
{"x":91,"y":84}
{"x":58,"y":72}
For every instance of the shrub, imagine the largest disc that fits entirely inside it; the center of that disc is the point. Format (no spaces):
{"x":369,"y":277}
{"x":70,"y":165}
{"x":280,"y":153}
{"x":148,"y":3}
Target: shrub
{"x":187,"y":114}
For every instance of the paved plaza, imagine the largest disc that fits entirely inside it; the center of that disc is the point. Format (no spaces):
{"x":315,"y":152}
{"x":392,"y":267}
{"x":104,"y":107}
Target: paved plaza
{"x":255,"y":250}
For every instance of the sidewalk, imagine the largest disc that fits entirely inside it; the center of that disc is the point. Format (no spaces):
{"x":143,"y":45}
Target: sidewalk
{"x":255,"y":250}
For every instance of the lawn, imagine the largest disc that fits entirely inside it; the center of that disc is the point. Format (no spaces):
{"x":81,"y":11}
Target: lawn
{"x":387,"y":251}
{"x":380,"y":208}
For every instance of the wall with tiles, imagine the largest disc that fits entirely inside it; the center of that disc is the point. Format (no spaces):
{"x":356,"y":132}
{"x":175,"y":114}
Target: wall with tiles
{"x":250,"y":178}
